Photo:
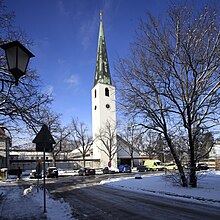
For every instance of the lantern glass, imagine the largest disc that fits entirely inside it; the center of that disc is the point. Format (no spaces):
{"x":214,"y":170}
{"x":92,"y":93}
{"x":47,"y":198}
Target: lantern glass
{"x":11,"y":57}
{"x":23,"y":59}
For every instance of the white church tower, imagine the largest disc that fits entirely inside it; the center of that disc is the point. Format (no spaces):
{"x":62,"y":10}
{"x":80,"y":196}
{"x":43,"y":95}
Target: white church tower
{"x":103,"y":106}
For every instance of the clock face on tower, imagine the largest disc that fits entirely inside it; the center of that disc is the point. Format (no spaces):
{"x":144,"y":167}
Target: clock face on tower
{"x":107,"y":106}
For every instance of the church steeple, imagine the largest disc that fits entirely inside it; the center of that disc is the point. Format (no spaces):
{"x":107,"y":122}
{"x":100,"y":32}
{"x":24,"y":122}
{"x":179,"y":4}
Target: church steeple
{"x":102,"y":72}
{"x":103,"y":106}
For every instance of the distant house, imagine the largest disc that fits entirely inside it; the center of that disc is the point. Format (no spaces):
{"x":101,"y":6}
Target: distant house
{"x":215,"y":152}
{"x":27,"y":158}
{"x":124,"y":152}
{"x":123,"y":155}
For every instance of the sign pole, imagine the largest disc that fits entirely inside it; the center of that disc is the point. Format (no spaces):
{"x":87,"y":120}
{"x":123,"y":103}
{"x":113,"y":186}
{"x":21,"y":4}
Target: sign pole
{"x":38,"y":185}
{"x":38,"y":173}
{"x":44,"y":182}
{"x":44,"y":142}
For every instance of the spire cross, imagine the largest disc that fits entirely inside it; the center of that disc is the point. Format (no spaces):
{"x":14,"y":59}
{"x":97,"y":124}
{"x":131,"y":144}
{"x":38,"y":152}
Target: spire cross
{"x":100,"y":15}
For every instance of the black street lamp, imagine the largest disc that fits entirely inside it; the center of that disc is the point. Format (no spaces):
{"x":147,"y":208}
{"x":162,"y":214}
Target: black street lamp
{"x":17,"y":57}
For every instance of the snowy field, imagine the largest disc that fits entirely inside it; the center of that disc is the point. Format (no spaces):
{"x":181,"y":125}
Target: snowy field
{"x":208,"y":190}
{"x":16,"y":202}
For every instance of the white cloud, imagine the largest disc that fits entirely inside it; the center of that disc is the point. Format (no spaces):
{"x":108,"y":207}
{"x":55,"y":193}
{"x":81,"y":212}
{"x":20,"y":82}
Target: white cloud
{"x":88,"y":29}
{"x":62,"y":9}
{"x":73,"y":80}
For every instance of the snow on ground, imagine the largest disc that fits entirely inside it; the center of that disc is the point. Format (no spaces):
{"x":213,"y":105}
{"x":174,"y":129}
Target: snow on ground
{"x":19,"y":203}
{"x":208,"y":190}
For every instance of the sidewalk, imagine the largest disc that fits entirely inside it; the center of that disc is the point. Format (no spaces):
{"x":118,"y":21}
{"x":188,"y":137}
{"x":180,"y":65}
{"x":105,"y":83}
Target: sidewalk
{"x":20,"y":202}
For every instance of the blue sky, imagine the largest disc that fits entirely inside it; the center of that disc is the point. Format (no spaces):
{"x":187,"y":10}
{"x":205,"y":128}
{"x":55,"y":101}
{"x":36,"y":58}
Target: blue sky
{"x":65,"y":35}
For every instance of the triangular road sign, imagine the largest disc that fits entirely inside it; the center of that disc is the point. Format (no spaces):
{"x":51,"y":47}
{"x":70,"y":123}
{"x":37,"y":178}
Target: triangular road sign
{"x":44,"y":139}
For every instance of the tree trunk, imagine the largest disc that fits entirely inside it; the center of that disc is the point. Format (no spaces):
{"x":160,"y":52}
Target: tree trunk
{"x":178,"y":162}
{"x":132,"y":161}
{"x":54,"y":160}
{"x":192,"y":176}
{"x":84,"y":160}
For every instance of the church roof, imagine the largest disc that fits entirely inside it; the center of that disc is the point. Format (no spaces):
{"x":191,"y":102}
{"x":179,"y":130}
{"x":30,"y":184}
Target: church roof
{"x":102,"y":71}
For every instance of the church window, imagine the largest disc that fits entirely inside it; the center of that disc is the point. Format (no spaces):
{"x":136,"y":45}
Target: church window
{"x":95,"y":107}
{"x":106,"y":92}
{"x":95,"y":93}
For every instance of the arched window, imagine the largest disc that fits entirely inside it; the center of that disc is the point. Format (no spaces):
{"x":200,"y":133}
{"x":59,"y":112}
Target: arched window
{"x":106,"y":92}
{"x":95,"y":93}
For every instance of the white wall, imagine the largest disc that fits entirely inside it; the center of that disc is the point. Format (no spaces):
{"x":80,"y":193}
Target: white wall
{"x":215,"y":152}
{"x":100,"y":115}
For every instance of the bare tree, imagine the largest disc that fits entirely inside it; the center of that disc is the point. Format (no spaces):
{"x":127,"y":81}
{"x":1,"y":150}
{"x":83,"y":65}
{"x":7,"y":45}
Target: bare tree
{"x":62,"y":143}
{"x":203,"y":144}
{"x":171,"y":80}
{"x":132,"y":136}
{"x":60,"y":134}
{"x":81,"y":139}
{"x":18,"y":105}
{"x":107,"y":136}
{"x":153,"y":145}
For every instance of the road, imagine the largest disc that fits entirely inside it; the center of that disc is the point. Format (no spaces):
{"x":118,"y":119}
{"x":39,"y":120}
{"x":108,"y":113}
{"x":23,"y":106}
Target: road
{"x":91,"y":201}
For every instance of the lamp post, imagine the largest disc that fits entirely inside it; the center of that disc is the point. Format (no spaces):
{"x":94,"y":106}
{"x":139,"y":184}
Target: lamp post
{"x":17,"y":57}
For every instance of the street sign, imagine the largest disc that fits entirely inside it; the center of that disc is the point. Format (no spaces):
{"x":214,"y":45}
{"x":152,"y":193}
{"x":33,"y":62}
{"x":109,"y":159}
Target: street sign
{"x":44,"y":140}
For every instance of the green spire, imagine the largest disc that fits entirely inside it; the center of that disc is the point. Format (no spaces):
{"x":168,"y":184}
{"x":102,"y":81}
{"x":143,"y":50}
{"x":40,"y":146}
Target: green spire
{"x":102,"y":72}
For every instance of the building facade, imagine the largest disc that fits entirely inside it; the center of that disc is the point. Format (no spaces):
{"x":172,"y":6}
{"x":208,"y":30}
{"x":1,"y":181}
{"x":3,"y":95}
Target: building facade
{"x":215,"y":152}
{"x":5,"y":143}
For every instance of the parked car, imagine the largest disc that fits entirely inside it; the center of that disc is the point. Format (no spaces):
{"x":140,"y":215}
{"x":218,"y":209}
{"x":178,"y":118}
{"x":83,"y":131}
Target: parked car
{"x":202,"y":166}
{"x":13,"y":172}
{"x":52,"y":172}
{"x":114,"y":170}
{"x":124,"y":169}
{"x":170,"y":166}
{"x":106,"y":170}
{"x":109,"y":170}
{"x":35,"y":175}
{"x":154,"y":165}
{"x":84,"y":171}
{"x":142,"y":168}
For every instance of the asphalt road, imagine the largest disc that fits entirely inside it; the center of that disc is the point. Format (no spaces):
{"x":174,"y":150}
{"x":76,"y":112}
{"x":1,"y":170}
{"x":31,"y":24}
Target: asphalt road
{"x":91,"y":201}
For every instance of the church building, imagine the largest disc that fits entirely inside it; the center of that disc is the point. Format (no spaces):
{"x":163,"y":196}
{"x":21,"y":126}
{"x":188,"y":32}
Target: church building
{"x":103,"y":108}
